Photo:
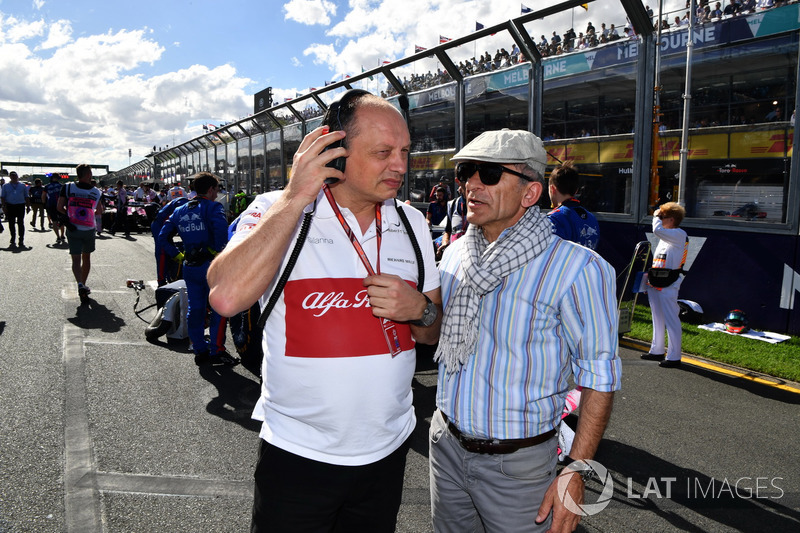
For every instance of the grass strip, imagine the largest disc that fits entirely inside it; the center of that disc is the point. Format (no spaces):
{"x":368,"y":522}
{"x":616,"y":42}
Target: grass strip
{"x":781,"y":360}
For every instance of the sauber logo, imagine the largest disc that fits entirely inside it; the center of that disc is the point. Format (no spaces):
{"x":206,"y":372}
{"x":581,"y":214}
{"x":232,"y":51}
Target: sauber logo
{"x":321,"y":303}
{"x":332,"y":317}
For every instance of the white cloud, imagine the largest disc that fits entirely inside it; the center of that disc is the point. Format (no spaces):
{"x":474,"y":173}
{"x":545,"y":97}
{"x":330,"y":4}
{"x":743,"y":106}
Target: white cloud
{"x":87,"y":101}
{"x":59,"y":33}
{"x":296,"y":62}
{"x":322,"y":53}
{"x":13,"y":30}
{"x":310,"y":12}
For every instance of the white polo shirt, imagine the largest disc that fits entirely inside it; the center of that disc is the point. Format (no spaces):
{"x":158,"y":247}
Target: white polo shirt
{"x":331,"y":390}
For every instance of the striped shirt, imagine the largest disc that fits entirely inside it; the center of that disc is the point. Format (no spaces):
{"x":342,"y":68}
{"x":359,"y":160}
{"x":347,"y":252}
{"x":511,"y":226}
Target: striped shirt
{"x":553,"y":318}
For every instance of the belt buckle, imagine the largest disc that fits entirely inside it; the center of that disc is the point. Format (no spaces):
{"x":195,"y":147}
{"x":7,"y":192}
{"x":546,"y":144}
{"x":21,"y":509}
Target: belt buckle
{"x":480,"y":445}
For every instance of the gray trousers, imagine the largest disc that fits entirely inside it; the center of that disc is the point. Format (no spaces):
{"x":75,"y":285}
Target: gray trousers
{"x":473,"y":492}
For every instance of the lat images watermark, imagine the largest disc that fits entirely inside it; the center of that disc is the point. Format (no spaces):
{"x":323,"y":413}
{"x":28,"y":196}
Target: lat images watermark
{"x":586,"y":509}
{"x":743,"y":488}
{"x":686,"y":491}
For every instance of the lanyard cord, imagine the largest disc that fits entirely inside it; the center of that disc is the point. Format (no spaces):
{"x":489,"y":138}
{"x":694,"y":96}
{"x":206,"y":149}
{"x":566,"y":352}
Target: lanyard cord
{"x":264,"y":315}
{"x":273,"y":299}
{"x":349,"y":232}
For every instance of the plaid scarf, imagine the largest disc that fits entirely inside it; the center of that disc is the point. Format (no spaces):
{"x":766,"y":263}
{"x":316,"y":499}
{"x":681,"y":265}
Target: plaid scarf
{"x":483,"y":267}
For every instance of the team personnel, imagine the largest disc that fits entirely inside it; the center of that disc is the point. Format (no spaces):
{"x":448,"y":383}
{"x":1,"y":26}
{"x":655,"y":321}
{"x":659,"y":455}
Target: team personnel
{"x":15,"y":201}
{"x":201,"y":224}
{"x":50,"y":196}
{"x":456,"y":220}
{"x":339,"y":353}
{"x":524,"y":311}
{"x":149,"y":197}
{"x":81,"y":202}
{"x":121,"y":197}
{"x":37,"y":204}
{"x":176,"y":192}
{"x":145,"y":194}
{"x":571,"y":221}
{"x":670,"y":253}
{"x":167,"y":270}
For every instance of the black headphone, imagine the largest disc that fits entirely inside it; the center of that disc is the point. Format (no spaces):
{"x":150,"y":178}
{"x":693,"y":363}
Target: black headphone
{"x":339,"y":114}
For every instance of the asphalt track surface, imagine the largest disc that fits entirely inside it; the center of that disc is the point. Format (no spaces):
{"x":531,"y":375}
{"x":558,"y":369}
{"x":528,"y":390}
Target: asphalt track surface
{"x":101,"y":431}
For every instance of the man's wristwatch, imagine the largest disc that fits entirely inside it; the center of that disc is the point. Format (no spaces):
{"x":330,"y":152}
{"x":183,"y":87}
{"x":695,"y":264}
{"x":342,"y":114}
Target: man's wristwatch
{"x":428,"y":315}
{"x":578,"y":466}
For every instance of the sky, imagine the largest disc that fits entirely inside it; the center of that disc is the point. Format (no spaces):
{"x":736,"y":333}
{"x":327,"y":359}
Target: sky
{"x":88,"y":80}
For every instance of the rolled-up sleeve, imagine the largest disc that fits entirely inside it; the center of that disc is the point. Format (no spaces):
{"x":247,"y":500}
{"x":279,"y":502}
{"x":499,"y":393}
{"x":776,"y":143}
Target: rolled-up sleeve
{"x":590,"y":318}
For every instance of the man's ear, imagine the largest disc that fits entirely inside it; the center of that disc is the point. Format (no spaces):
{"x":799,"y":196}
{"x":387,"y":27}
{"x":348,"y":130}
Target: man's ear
{"x":533,"y":191}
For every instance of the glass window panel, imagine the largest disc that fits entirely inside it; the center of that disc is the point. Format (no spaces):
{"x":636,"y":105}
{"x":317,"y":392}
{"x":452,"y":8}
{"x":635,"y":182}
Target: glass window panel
{"x":207,"y":159}
{"x":224,"y":135}
{"x":258,"y":164}
{"x":264,"y":121}
{"x":432,"y":129}
{"x":498,"y":100}
{"x":292,"y":136}
{"x":219,"y":160}
{"x":739,"y":133}
{"x":274,"y":161}
{"x":231,"y":167}
{"x":588,"y":118}
{"x":243,"y":163}
{"x":309,"y":110}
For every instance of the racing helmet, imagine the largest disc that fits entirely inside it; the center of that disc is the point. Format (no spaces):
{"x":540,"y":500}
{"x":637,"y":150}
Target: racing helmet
{"x":736,"y":321}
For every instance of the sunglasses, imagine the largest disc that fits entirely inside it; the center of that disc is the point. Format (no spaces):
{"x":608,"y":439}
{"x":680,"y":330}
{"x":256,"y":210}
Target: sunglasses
{"x":489,"y":173}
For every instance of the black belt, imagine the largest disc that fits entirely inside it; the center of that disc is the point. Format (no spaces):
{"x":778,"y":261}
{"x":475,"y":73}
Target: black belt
{"x":495,"y":446}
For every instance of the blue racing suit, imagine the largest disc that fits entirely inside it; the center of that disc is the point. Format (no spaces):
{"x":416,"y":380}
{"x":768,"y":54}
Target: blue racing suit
{"x":203,"y":228}
{"x":574,"y":223}
{"x":166,"y":269}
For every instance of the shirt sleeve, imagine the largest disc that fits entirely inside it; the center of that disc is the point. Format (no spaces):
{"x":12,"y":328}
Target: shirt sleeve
{"x":252,"y":215}
{"x":589,"y":314}
{"x":673,"y":236}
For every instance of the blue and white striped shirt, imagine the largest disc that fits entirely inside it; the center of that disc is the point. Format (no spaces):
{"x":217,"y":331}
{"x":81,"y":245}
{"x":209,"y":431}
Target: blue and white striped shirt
{"x":554,"y":317}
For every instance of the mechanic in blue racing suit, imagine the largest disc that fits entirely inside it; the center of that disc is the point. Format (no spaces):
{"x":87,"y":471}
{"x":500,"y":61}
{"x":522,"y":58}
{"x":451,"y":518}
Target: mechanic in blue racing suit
{"x":203,"y":228}
{"x":570,"y":220}
{"x":166,"y":270}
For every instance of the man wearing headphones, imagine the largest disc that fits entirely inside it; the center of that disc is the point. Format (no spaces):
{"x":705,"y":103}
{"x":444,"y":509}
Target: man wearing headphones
{"x":339,"y":346}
